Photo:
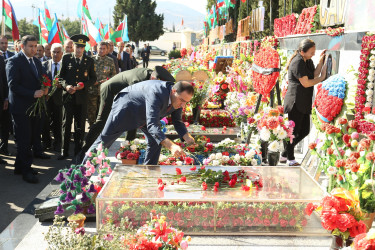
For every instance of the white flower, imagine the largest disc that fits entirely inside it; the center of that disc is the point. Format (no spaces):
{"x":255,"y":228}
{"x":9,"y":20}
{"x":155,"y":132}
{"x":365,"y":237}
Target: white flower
{"x":133,"y":147}
{"x":212,"y":156}
{"x":372,"y":58}
{"x":370,"y":85}
{"x":372,"y":64}
{"x":274,"y":146}
{"x":368,"y":105}
{"x":257,"y":116}
{"x":265,"y":134}
{"x":332,"y":170}
{"x":162,"y":158}
{"x":218,"y":156}
{"x":369,"y":92}
{"x":256,"y":147}
{"x":126,"y":143}
{"x":237,"y":158}
{"x":254,"y":162}
{"x":216,"y":163}
{"x":282,"y":134}
{"x":370,"y":78}
{"x":136,"y":141}
{"x":371,"y":72}
{"x":373,"y":51}
{"x":179,"y":163}
{"x":249,"y":155}
{"x":118,"y":156}
{"x":225,"y":158}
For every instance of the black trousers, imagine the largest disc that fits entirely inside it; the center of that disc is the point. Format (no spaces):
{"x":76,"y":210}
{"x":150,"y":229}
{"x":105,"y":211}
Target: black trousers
{"x":5,"y":124}
{"x":79,"y":113}
{"x":145,"y":64}
{"x":27,"y":133}
{"x":301,"y":130}
{"x":52,"y":122}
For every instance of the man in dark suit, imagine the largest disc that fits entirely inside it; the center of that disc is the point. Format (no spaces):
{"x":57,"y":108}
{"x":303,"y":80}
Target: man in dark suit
{"x":40,"y":53}
{"x":77,"y":74}
{"x":123,"y":57}
{"x":54,"y":103}
{"x":109,"y":89}
{"x":4,"y":48}
{"x":6,"y":121}
{"x":24,"y":73}
{"x":142,"y":105}
{"x":145,"y":54}
{"x":3,"y":96}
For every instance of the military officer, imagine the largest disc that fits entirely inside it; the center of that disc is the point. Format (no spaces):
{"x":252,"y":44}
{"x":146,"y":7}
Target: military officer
{"x":77,"y":74}
{"x":109,"y":90}
{"x":105,"y":69}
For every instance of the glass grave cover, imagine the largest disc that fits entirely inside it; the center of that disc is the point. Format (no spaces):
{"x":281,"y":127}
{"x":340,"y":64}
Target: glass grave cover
{"x":277,"y":208}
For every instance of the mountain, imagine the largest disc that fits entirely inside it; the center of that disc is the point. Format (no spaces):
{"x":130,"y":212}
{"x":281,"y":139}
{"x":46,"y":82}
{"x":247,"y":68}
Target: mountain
{"x":174,"y":12}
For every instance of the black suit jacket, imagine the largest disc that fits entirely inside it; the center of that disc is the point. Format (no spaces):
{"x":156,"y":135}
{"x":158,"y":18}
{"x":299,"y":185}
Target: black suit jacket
{"x":125,"y":63}
{"x":116,"y":62}
{"x":3,"y":83}
{"x":9,"y":55}
{"x":57,"y":94}
{"x":71,"y":74}
{"x":22,"y":82}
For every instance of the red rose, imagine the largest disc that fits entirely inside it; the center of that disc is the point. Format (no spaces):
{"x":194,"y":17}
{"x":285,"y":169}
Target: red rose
{"x":342,"y":121}
{"x":189,"y":161}
{"x":292,"y":222}
{"x":183,"y":179}
{"x":193,"y":168}
{"x":283,"y":223}
{"x":330,"y":151}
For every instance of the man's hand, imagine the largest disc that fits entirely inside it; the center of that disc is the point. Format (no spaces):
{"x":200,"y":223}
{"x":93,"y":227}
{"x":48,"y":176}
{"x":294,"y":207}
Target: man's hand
{"x":38,"y":93}
{"x":177,"y":151}
{"x":5,"y":107}
{"x":71,"y":90}
{"x":189,"y":139}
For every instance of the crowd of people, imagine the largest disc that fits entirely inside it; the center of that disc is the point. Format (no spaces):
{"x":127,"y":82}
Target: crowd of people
{"x":84,"y":85}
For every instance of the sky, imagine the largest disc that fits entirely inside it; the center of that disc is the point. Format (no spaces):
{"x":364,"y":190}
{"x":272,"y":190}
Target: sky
{"x":98,"y":8}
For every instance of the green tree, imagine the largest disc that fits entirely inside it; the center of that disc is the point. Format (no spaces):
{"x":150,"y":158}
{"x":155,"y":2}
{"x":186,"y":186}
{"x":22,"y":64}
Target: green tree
{"x":73,"y":27}
{"x":143,"y":23}
{"x":27,"y":28}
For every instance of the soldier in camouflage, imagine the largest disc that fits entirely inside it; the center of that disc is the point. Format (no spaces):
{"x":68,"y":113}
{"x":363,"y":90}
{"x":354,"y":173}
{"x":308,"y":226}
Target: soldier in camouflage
{"x":105,"y":69}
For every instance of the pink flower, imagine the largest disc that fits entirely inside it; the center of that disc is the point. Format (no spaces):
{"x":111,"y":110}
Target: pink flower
{"x":80,"y":231}
{"x":184,"y":245}
{"x":292,"y":124}
{"x":89,"y":154}
{"x":108,"y":237}
{"x":100,"y":147}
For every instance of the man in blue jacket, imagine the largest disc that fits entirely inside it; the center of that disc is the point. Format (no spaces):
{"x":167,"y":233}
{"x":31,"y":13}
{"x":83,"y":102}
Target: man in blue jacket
{"x":24,"y":73}
{"x":142,"y":106}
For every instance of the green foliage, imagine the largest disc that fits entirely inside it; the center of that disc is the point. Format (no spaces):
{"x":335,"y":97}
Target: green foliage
{"x":72,"y":26}
{"x":174,"y":54}
{"x":143,"y":23}
{"x":27,"y":28}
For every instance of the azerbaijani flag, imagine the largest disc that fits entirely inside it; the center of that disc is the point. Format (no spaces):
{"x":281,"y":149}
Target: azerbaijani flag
{"x":83,"y":9}
{"x":220,"y":3}
{"x":66,"y":35}
{"x":93,"y":32}
{"x":106,"y":32}
{"x":10,"y":19}
{"x":43,"y":31}
{"x":125,"y":36}
{"x":47,"y":16}
{"x":116,"y":36}
{"x":53,"y":36}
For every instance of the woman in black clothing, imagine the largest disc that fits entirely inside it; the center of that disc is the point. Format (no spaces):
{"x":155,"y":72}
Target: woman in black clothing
{"x":133,"y":61}
{"x":302,"y":76}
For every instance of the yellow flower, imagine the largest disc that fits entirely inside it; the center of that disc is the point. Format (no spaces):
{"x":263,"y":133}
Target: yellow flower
{"x":371,"y":234}
{"x":188,"y":238}
{"x":362,"y":169}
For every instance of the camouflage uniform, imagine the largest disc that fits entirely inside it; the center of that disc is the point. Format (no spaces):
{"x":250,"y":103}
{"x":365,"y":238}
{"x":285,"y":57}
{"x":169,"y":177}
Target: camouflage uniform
{"x":105,"y":69}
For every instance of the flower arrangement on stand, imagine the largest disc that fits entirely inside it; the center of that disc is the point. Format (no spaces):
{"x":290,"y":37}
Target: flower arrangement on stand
{"x":219,"y":90}
{"x":285,"y":26}
{"x":270,"y":41}
{"x":274,"y":129}
{"x":306,"y":22}
{"x":341,"y":215}
{"x":129,"y":152}
{"x":240,"y":106}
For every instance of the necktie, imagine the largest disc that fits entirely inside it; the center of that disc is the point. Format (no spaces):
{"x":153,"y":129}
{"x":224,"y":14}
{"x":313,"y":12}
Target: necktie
{"x":33,"y":66}
{"x":55,"y":70}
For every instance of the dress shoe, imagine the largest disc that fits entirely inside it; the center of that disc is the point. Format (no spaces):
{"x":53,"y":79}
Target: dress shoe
{"x":2,"y":161}
{"x":19,"y":172}
{"x":30,"y":178}
{"x":42,"y":156}
{"x":62,"y":157}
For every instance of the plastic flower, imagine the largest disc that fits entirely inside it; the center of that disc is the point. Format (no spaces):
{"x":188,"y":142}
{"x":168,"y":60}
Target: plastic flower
{"x":274,"y":146}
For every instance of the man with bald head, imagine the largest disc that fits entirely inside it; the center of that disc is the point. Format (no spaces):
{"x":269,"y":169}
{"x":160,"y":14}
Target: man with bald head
{"x":68,"y":46}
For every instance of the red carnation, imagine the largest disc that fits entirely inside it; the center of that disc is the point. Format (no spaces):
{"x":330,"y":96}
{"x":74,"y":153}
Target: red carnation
{"x":204,"y":186}
{"x":340,"y":163}
{"x":342,"y":121}
{"x":354,"y":167}
{"x":178,"y":171}
{"x":312,"y":145}
{"x":183,"y":179}
{"x":310,"y":208}
{"x":353,"y":124}
{"x":189,"y":160}
{"x":370,"y":156}
{"x":372,"y":136}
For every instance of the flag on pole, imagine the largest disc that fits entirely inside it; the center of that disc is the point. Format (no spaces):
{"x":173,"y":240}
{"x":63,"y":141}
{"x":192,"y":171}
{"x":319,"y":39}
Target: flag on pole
{"x":93,"y":32}
{"x":97,"y":23}
{"x":47,"y":17}
{"x":53,"y":36}
{"x":66,"y":35}
{"x":10,"y":19}
{"x":83,"y":9}
{"x":106,"y":32}
{"x":125,"y":36}
{"x":101,"y":29}
{"x":43,"y":31}
{"x":116,"y":36}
